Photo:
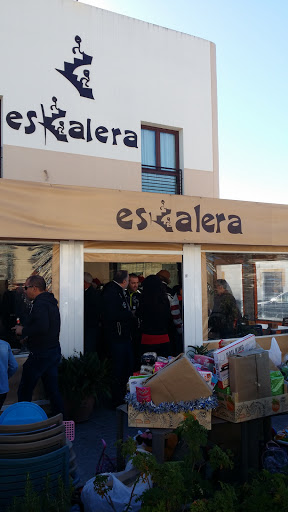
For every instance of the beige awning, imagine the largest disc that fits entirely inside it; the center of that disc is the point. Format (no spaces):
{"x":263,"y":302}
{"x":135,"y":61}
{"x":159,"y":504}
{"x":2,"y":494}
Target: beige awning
{"x":58,"y":212}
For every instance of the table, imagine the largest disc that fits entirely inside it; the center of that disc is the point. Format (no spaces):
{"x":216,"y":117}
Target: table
{"x":158,"y":437}
{"x":250,"y":433}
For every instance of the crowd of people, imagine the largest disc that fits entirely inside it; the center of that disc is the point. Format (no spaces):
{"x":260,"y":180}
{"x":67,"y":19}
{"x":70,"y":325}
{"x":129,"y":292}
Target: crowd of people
{"x":123,"y":322}
{"x":120,"y":322}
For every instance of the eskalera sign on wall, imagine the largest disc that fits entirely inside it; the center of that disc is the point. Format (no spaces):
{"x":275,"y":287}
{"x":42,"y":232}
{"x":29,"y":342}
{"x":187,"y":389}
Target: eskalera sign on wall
{"x":54,"y":119}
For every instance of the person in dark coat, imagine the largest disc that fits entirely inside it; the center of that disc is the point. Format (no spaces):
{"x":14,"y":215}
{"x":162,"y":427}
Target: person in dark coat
{"x":133,"y":296}
{"x":117,"y":321}
{"x":92,"y":311}
{"x":41,"y":334}
{"x":225,"y":313}
{"x":155,"y":317}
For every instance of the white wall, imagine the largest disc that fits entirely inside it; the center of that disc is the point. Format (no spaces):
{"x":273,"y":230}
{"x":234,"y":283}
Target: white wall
{"x":139,"y":73}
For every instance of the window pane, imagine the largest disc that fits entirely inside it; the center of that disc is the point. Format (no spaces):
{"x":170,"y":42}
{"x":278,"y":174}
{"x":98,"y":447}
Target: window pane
{"x":17,"y":262}
{"x":272,"y":289}
{"x":148,"y":145}
{"x":256,"y":283}
{"x":167,"y":150}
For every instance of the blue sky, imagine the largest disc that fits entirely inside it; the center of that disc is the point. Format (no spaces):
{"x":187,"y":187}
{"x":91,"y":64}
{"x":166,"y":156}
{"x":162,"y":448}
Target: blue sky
{"x":251,"y":40}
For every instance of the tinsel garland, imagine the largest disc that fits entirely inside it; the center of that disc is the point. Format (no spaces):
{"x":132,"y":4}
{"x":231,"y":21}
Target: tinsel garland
{"x":208,"y":403}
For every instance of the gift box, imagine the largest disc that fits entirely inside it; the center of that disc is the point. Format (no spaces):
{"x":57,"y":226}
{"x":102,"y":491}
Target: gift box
{"x":143,"y":394}
{"x":136,"y":382}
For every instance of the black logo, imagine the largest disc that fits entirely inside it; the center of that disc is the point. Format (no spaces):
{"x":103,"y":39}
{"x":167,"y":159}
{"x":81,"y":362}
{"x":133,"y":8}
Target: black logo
{"x":181,"y":221}
{"x":48,"y":121}
{"x":81,"y":84}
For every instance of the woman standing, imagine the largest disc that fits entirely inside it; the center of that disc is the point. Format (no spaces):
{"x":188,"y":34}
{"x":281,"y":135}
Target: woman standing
{"x":155,"y":317}
{"x":225,"y":312}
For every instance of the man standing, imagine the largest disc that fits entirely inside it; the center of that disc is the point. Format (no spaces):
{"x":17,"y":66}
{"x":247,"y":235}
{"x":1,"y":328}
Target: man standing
{"x":92,"y":301}
{"x":133,"y":297}
{"x":42,"y":334}
{"x":117,"y":318}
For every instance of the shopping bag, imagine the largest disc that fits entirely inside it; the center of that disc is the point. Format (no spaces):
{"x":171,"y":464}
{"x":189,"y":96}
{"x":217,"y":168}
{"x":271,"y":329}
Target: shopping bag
{"x":119,"y":494}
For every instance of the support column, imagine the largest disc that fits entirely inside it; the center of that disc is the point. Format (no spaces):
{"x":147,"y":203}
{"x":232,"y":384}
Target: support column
{"x":71,"y":301}
{"x":192,"y":295}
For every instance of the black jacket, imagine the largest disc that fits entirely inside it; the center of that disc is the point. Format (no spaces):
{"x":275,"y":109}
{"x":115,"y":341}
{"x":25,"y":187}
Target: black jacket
{"x":116,"y":314}
{"x":43,"y":324}
{"x":156,"y":318}
{"x":92,"y":307}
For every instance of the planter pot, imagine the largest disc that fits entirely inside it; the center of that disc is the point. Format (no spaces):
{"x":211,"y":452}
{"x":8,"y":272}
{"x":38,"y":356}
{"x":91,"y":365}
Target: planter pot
{"x":79,"y":413}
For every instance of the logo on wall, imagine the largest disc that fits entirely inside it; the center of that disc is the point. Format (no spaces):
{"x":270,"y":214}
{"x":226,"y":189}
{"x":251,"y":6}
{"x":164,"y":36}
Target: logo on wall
{"x":48,"y":121}
{"x":54,"y":119}
{"x":81,"y":59}
{"x":180,"y":221}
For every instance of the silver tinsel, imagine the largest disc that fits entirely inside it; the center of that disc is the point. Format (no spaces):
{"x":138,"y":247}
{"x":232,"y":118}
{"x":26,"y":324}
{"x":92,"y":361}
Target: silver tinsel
{"x":208,"y":403}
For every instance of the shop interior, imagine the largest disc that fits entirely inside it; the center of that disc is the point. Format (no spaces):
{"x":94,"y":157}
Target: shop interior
{"x":257,"y":281}
{"x":259,"y":284}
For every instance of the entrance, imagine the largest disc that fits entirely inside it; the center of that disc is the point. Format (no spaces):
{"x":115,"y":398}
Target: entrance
{"x":103,"y":262}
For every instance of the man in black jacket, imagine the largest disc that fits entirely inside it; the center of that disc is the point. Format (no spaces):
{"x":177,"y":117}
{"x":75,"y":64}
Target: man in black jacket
{"x":117,"y":319}
{"x":41,"y":333}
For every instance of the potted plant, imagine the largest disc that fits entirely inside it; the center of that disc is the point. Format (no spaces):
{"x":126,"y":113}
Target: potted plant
{"x":84,"y":380}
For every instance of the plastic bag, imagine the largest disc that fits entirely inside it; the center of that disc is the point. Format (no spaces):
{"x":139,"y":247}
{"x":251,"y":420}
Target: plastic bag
{"x":274,"y":458}
{"x":119,"y":494}
{"x":275,"y":353}
{"x":277,"y":383}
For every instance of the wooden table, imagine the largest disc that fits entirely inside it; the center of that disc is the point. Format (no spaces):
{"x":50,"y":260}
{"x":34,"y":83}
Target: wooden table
{"x":249,"y":439}
{"x":158,"y":437}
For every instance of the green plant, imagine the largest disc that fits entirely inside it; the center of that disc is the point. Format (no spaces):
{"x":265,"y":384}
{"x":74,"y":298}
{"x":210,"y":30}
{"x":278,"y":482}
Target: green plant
{"x":44,"y":500}
{"x":175,"y":484}
{"x":201,"y":349}
{"x":84,"y":375}
{"x":266,"y":492}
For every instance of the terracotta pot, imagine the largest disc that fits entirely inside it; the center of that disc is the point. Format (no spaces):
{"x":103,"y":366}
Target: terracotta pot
{"x":79,"y":413}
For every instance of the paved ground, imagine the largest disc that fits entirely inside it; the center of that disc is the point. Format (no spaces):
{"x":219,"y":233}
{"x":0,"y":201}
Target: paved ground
{"x":88,"y":445}
{"x":102,"y":425}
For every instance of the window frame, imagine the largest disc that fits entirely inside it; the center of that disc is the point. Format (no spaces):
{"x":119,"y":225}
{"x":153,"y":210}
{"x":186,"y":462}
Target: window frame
{"x":159,"y":170}
{"x":157,"y":131}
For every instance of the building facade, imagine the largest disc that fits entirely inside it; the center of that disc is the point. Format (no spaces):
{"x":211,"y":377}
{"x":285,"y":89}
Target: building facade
{"x":109,"y":159}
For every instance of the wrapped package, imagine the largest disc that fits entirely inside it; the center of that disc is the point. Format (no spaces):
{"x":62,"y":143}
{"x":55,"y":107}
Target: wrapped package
{"x":277,"y":383}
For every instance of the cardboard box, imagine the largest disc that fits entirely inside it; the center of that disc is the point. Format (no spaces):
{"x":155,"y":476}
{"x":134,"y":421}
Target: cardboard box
{"x":249,"y":375}
{"x":165,"y":420}
{"x":230,"y":409}
{"x":222,"y":354}
{"x":178,"y":381}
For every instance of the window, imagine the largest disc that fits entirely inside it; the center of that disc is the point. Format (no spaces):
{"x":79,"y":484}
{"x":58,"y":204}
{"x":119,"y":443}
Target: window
{"x":257,"y":284}
{"x":160,"y":161}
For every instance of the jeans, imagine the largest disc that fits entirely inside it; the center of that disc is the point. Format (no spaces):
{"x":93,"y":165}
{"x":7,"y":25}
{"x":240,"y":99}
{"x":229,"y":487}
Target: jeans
{"x":42,"y":365}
